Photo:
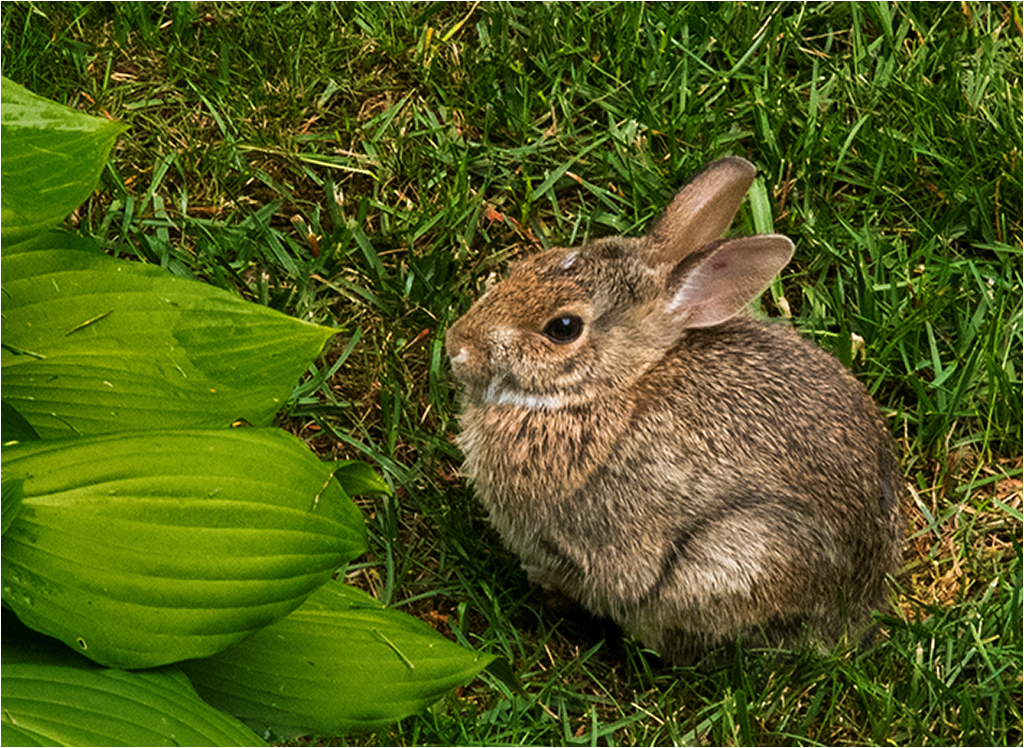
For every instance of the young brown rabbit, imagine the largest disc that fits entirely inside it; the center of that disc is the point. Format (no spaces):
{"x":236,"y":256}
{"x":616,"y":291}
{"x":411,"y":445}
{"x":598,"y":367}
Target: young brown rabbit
{"x":654,"y":453}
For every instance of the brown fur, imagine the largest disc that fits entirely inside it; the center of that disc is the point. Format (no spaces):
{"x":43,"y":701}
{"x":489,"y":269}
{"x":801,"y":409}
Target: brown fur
{"x":681,"y":468}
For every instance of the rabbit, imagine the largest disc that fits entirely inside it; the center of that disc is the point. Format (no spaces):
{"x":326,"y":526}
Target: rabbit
{"x":654,"y":453}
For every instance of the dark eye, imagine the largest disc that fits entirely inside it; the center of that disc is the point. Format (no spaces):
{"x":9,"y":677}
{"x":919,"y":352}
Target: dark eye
{"x":564,"y":329}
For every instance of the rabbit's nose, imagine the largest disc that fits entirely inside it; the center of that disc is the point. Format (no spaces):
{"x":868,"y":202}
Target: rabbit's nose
{"x":460,"y":348}
{"x":454,"y":343}
{"x":465,"y":365}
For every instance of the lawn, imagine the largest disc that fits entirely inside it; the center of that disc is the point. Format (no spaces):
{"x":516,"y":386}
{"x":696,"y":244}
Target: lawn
{"x":373,"y":167}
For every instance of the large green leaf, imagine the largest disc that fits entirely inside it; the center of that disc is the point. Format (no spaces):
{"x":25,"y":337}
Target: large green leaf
{"x":95,"y":345}
{"x":358,"y":478}
{"x":142,"y":549}
{"x":13,"y":425}
{"x":51,"y":696}
{"x":340,"y":662}
{"x":59,"y":705}
{"x":10,"y":500}
{"x":52,"y":157}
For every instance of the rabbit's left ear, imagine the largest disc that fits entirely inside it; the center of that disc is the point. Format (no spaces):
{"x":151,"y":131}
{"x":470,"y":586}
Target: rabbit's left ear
{"x":716,"y":283}
{"x":702,"y":210}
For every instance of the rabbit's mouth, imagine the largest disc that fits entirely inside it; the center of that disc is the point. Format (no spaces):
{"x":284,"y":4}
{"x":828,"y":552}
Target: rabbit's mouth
{"x":496,"y":391}
{"x":497,"y":395}
{"x":499,"y":392}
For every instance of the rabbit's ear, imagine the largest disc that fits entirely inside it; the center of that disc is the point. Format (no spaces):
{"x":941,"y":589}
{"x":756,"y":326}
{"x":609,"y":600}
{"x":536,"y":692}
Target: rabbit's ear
{"x":702,"y":210}
{"x":715,"y":284}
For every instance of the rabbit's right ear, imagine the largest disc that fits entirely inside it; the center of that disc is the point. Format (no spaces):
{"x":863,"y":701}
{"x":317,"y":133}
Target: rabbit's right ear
{"x":702,"y":210}
{"x":716,"y":283}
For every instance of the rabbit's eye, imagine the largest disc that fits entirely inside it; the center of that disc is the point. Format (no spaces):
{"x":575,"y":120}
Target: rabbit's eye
{"x":564,"y":329}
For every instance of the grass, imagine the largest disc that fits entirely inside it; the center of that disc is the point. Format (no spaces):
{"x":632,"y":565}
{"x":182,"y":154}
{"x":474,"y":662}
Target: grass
{"x":373,"y":166}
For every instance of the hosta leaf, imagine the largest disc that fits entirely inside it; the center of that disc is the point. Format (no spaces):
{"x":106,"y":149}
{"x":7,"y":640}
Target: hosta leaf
{"x":11,"y":491}
{"x":14,"y":426}
{"x":59,"y":698}
{"x":52,"y":157}
{"x":358,"y":478}
{"x":142,"y":549}
{"x":340,"y":662}
{"x":96,"y":345}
